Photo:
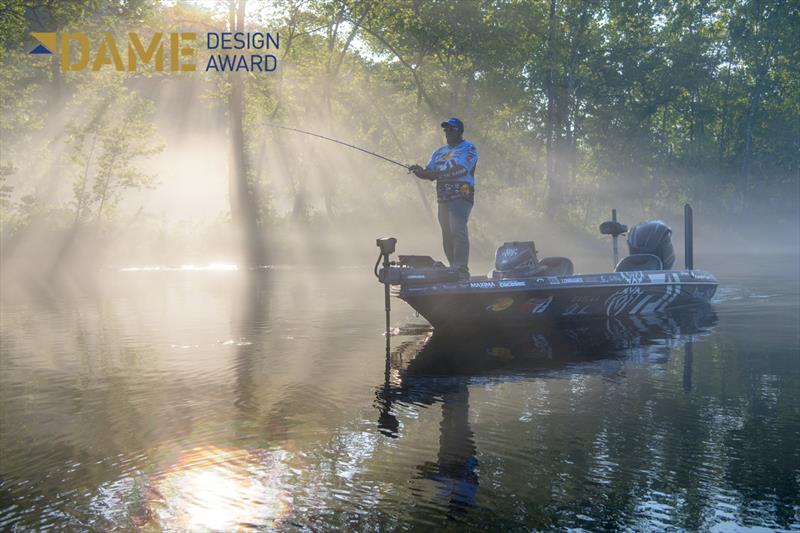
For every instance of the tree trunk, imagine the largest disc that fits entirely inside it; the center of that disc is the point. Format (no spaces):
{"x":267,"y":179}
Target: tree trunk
{"x":565,"y":152}
{"x":724,"y":118}
{"x":752,"y":109}
{"x":468,"y":96}
{"x":244,"y":205}
{"x":106,"y":185}
{"x":82,"y":195}
{"x":554,"y":191}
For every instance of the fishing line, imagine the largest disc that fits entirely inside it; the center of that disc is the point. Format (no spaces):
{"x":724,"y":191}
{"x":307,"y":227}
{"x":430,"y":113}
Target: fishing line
{"x":340,"y":142}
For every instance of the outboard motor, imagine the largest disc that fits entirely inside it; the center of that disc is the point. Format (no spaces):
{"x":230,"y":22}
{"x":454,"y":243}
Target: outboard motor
{"x":655,"y":238}
{"x":515,"y":259}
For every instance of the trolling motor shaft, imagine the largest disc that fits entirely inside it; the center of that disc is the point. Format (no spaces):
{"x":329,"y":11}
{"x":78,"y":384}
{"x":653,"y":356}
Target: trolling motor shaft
{"x":387,"y":247}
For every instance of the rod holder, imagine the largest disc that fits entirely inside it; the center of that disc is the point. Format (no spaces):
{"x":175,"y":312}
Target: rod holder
{"x":688,"y":237}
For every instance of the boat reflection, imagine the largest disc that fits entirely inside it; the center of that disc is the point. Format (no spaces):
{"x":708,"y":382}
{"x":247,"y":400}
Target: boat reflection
{"x":439,"y":368}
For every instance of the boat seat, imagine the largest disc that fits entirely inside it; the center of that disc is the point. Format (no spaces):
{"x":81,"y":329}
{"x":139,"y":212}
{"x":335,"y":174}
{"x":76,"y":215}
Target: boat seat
{"x":639,"y":262}
{"x":557,"y":266}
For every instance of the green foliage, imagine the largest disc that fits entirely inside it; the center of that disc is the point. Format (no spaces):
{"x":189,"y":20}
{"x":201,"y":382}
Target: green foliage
{"x":112,"y":133}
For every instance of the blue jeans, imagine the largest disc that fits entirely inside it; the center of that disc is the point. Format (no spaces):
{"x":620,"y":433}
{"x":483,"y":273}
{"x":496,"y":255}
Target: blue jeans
{"x":453,"y":217}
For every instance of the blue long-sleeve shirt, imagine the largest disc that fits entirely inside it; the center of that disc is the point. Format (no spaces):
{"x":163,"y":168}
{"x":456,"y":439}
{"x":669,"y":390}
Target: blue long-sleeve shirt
{"x":456,"y":167}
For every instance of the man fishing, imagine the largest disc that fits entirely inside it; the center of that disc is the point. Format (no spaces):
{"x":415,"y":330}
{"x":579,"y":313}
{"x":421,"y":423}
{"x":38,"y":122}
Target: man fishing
{"x":453,"y":168}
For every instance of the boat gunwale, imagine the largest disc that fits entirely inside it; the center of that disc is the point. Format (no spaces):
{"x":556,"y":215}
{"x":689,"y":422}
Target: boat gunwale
{"x":540,"y":283}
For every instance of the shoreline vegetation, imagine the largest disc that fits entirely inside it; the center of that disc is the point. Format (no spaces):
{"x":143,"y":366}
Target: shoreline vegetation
{"x":576,"y":107}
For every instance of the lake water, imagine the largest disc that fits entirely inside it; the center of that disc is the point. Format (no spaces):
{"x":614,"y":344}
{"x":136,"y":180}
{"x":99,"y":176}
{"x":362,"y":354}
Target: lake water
{"x":222,"y":400}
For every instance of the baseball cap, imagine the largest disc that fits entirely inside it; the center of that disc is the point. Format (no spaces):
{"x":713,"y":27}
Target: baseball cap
{"x":454,"y":123}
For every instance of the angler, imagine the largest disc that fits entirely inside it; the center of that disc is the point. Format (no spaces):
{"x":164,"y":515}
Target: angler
{"x":452,"y":167}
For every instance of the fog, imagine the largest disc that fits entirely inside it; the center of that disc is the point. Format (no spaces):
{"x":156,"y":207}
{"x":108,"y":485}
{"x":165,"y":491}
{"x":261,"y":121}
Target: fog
{"x":319,"y":203}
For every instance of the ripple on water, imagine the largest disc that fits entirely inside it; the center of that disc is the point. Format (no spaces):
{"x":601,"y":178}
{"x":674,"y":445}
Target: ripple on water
{"x":208,"y":488}
{"x":151,"y":406}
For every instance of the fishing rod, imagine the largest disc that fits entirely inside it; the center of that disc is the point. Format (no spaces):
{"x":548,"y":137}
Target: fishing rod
{"x":407,"y":167}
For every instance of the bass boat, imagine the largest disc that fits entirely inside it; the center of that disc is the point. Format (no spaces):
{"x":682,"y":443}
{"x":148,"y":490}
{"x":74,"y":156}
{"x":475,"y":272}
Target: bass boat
{"x":523,"y":289}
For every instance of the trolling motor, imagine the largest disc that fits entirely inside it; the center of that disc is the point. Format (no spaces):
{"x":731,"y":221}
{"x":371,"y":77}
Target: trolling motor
{"x":387,"y":246}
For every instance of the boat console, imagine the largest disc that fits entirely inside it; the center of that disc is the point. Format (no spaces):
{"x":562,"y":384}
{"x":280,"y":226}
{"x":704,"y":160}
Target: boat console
{"x":518,"y":259}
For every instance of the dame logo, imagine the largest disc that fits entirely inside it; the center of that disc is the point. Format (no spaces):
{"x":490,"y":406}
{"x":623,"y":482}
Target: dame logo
{"x":77,"y":52}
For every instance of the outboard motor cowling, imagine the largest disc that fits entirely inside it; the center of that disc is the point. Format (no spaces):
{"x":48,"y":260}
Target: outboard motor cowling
{"x":515,"y":259}
{"x":652,"y":237}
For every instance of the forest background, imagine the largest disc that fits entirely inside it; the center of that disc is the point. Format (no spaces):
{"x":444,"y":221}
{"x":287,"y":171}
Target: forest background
{"x":576,"y":106}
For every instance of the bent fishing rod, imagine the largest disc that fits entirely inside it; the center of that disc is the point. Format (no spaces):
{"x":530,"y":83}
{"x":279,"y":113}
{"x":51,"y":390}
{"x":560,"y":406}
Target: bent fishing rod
{"x":407,"y":167}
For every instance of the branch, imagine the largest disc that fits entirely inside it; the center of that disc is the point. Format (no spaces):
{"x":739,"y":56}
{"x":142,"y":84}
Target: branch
{"x":433,"y":108}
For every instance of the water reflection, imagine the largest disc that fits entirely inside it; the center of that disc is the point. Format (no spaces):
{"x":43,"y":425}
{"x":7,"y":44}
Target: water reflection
{"x":170,"y":394}
{"x":217,"y":489}
{"x":440,"y":367}
{"x":250,"y":322}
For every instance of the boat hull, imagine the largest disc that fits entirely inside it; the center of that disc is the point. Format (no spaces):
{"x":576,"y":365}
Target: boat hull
{"x":509,"y":302}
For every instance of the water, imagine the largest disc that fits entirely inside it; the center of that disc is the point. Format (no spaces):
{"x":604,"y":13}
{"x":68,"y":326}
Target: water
{"x":218,"y":400}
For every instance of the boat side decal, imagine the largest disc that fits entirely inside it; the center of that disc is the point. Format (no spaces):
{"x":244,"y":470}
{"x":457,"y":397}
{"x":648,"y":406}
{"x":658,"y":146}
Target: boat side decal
{"x":672,"y":291}
{"x":534,"y":306}
{"x":620,"y":300}
{"x":501,"y":304}
{"x":633,"y":278}
{"x":635,"y":309}
{"x":575,"y":309}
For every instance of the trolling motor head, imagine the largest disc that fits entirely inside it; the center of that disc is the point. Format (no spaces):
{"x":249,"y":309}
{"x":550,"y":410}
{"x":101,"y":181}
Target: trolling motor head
{"x":387,"y":245}
{"x":613,"y":228}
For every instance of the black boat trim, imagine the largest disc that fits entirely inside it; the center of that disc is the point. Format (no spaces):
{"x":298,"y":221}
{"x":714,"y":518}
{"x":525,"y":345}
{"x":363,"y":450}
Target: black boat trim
{"x":606,"y":280}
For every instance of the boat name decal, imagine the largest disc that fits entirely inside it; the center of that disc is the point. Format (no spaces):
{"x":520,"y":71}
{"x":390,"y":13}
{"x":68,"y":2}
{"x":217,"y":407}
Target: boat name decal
{"x":482,"y":285}
{"x":515,"y":283}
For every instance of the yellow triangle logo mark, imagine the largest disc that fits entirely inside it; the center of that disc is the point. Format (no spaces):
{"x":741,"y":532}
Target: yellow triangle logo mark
{"x":48,"y":40}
